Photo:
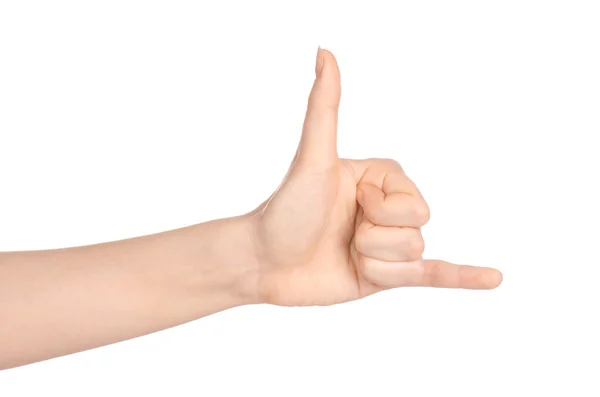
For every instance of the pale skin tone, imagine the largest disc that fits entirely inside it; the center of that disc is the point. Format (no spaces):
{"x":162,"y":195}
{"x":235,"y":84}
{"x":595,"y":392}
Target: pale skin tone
{"x":334,"y":231}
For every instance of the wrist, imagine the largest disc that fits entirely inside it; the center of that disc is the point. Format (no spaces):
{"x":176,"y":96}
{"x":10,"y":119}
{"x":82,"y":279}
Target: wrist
{"x":222,"y":268}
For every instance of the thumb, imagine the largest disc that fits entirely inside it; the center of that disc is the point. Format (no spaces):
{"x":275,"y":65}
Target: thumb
{"x":318,"y":145}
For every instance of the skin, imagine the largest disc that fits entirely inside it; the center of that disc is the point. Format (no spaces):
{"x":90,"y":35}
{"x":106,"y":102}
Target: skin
{"x":335,"y":230}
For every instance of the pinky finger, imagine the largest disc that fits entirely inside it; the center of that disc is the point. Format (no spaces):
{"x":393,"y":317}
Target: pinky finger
{"x":428,"y":273}
{"x":442,"y":274}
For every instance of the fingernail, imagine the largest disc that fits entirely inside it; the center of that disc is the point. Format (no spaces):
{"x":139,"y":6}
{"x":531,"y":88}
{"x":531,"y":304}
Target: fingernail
{"x":319,"y":63}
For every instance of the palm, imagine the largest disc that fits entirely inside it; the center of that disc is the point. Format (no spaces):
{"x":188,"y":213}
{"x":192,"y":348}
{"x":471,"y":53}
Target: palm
{"x":309,"y":255}
{"x":317,"y":246}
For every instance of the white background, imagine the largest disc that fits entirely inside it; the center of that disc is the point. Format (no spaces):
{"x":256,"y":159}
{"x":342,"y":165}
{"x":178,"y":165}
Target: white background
{"x":123,"y":118}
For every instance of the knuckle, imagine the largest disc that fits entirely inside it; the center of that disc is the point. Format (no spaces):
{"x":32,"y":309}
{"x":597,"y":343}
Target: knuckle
{"x":391,"y":162}
{"x":432,"y":275}
{"x":422,"y":212}
{"x":384,"y":163}
{"x":416,"y":246}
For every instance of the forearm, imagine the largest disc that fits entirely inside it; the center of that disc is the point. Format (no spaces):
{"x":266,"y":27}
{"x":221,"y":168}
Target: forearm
{"x":57,"y":302}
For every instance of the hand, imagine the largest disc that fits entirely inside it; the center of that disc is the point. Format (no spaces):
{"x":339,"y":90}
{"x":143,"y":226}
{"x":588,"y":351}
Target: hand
{"x":334,"y":231}
{"x":338,"y":230}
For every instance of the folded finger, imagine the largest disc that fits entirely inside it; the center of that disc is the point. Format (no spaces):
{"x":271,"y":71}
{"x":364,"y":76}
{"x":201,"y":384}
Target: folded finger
{"x":389,"y":243}
{"x":392,"y":209}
